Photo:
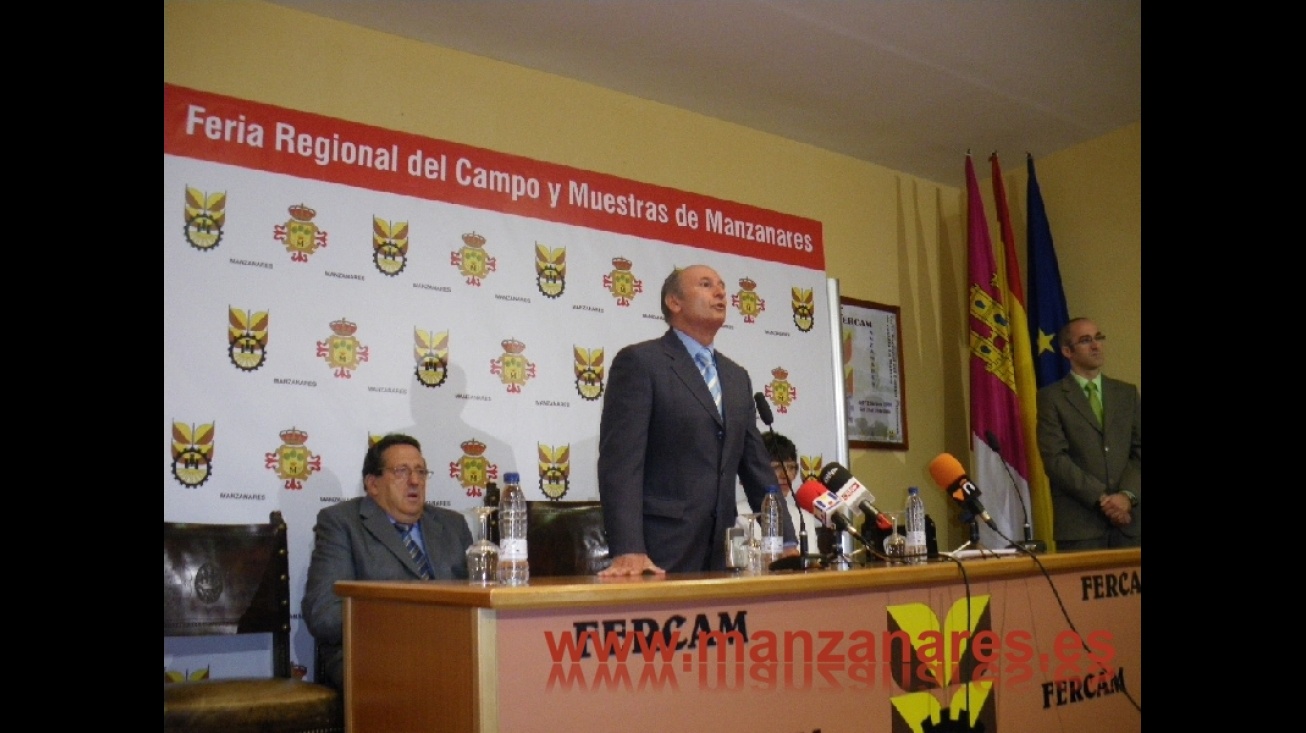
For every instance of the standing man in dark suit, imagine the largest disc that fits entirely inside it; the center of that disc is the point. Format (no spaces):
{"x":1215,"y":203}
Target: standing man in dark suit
{"x":668,"y":456}
{"x":368,"y":538}
{"x":1090,"y":434}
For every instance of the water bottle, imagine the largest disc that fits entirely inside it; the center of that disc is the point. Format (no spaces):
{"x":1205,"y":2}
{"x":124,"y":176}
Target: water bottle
{"x":917,"y":549}
{"x":773,"y":538}
{"x":514,"y":568}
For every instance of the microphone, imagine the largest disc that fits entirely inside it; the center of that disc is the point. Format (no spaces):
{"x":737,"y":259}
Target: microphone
{"x":826,"y":506}
{"x":764,"y":409}
{"x":1030,"y":544}
{"x":764,"y":412}
{"x":850,"y":491}
{"x":951,"y":477}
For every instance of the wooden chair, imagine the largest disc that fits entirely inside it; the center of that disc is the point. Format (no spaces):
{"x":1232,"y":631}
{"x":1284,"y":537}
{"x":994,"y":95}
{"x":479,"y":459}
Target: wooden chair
{"x":566,"y":538}
{"x":221,"y":579}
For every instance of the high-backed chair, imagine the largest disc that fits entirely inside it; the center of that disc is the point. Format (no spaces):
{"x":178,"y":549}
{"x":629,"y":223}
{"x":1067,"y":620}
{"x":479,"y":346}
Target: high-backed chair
{"x":221,"y":579}
{"x":566,"y":538}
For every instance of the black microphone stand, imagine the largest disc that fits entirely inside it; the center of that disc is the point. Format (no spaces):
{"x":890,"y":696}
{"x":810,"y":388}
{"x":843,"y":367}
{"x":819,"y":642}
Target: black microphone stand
{"x":805,"y":561}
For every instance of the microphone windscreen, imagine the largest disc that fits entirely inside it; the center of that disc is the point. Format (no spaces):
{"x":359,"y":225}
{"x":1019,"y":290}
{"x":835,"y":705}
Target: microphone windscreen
{"x":808,"y":493}
{"x":991,"y":438}
{"x":945,"y":469}
{"x":764,"y":408}
{"x":834,"y":475}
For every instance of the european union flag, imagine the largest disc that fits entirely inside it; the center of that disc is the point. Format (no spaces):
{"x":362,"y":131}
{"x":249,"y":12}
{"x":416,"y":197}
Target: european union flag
{"x":1047,"y":301}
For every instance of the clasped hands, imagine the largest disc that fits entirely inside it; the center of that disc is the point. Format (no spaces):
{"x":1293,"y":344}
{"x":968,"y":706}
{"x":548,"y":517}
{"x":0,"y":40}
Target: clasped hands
{"x":1117,"y":509}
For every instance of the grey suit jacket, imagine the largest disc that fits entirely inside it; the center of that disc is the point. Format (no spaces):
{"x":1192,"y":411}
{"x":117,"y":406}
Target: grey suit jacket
{"x":668,"y":462}
{"x":354,"y":540}
{"x":1084,"y":460}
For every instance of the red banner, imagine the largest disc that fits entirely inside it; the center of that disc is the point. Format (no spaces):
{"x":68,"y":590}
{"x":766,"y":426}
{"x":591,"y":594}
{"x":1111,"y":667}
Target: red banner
{"x":264,"y":137}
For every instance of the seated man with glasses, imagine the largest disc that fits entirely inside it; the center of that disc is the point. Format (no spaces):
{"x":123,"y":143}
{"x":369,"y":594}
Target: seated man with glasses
{"x":388,"y":534}
{"x":1090,"y":436}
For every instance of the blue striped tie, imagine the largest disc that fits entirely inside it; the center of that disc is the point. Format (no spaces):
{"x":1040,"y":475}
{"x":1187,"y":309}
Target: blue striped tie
{"x":708,"y":370}
{"x":419,"y":557}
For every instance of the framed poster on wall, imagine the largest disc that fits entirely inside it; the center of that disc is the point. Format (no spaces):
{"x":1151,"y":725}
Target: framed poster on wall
{"x":874,"y":389}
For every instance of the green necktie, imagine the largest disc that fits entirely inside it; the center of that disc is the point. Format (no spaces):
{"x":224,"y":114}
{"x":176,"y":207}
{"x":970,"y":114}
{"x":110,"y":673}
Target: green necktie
{"x":1094,"y":400}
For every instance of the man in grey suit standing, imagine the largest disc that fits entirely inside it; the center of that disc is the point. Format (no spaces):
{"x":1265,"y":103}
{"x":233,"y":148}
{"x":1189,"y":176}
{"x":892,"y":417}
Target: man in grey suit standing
{"x":669,"y":457}
{"x":389,"y":534}
{"x":1090,"y":435}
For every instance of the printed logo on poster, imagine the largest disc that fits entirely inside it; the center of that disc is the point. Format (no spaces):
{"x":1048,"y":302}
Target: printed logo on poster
{"x":292,"y":461}
{"x":389,"y":245}
{"x":511,"y":367}
{"x":810,"y":467}
{"x":472,"y":260}
{"x":300,"y":234}
{"x":588,"y":365}
{"x":431,"y":352}
{"x":192,"y":453}
{"x":621,"y":282}
{"x":781,"y":393}
{"x":205,"y":215}
{"x":555,"y":469}
{"x":550,"y":270}
{"x":804,"y":308}
{"x":473,"y":469}
{"x":747,"y":301}
{"x":247,"y":338}
{"x":341,"y":350}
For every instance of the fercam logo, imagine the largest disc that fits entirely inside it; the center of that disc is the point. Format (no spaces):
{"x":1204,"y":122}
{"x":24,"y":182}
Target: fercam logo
{"x":192,"y":453}
{"x":389,"y":245}
{"x":206,"y":213}
{"x":940,"y":658}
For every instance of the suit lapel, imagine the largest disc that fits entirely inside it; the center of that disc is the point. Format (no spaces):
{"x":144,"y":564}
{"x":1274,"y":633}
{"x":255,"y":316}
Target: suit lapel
{"x":378,"y":523}
{"x":1075,"y":394}
{"x":683,"y":366}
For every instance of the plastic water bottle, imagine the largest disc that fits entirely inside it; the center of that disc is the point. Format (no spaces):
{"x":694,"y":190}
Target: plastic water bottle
{"x":917,"y":549}
{"x":773,"y":538}
{"x":514,"y":566}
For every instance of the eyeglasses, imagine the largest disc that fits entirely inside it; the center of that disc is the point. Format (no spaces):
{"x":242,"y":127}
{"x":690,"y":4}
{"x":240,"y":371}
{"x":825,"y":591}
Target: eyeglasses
{"x":1086,"y":340}
{"x":403,"y":472}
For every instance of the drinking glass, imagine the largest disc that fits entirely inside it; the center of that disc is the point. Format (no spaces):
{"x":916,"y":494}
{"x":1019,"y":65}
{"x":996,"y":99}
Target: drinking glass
{"x":736,"y":549}
{"x":753,"y":545}
{"x":483,"y":555}
{"x":895,"y":545}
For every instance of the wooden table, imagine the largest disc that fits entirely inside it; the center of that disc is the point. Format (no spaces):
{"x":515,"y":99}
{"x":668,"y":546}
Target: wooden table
{"x":878,"y":648}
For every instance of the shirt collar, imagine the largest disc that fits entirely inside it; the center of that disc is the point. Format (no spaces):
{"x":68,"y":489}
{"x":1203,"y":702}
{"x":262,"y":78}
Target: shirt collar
{"x":693,"y":346}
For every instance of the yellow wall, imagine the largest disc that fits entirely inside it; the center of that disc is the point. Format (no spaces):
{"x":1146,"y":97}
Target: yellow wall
{"x":890,"y":237}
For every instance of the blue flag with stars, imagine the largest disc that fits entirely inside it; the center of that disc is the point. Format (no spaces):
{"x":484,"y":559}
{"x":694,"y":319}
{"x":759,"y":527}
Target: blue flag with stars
{"x":1047,"y":301}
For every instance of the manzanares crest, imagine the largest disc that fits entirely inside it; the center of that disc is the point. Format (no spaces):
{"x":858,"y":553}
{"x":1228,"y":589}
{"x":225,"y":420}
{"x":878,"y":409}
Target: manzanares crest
{"x":206,"y":213}
{"x":512,"y":368}
{"x":588,"y":365}
{"x":293,"y":462}
{"x":780,"y":391}
{"x":550,"y":270}
{"x":192,"y":453}
{"x":621,"y":282}
{"x":555,"y":469}
{"x":341,"y":350}
{"x":431,"y":352}
{"x":301,"y":236}
{"x":472,"y":260}
{"x":747,"y":301}
{"x":473,"y":469}
{"x":389,"y":245}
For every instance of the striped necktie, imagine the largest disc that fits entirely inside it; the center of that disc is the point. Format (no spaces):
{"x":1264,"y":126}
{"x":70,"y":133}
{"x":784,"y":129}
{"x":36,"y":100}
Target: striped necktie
{"x":708,"y":370}
{"x":419,"y":557}
{"x":1094,"y":400}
